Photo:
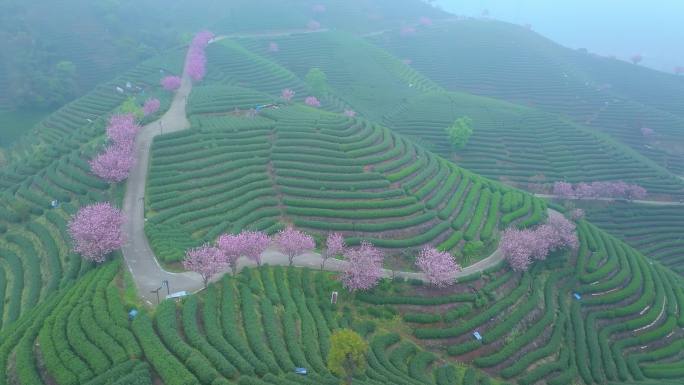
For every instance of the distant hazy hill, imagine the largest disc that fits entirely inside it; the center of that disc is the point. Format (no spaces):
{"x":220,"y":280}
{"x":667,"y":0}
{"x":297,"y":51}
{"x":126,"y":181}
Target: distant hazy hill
{"x":53,"y":51}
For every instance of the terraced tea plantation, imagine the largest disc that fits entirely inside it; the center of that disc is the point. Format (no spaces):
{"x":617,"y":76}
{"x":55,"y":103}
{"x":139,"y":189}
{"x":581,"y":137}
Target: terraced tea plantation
{"x":50,"y":167}
{"x":321,"y":172}
{"x":253,"y":329}
{"x":373,"y":162}
{"x":504,"y":133}
{"x":512,"y":63}
{"x":655,"y":231}
{"x":626,"y":323}
{"x":385,"y":89}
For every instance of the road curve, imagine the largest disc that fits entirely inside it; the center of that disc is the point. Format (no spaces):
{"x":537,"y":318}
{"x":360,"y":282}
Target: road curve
{"x":149,"y":275}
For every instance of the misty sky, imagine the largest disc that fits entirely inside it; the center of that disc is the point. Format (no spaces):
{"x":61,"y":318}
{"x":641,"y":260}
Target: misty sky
{"x":608,"y":27}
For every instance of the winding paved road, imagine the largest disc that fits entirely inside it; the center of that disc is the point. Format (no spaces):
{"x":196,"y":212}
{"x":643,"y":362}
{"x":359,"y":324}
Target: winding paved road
{"x":148,"y":274}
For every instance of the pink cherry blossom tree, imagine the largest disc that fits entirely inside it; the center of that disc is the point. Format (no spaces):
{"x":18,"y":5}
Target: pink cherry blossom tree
{"x":95,"y":231}
{"x":598,"y":189}
{"x":563,"y":189}
{"x":636,"y":58}
{"x":255,"y":243}
{"x":151,"y":106}
{"x":439,"y":267}
{"x":195,"y":65}
{"x":313,"y":25}
{"x":408,"y":31}
{"x":287,"y":94}
{"x":293,"y":243}
{"x":114,"y":165}
{"x":312,"y":101}
{"x":522,"y":247}
{"x":196,"y":59}
{"x":205,"y":260}
{"x":425,"y":21}
{"x":635,"y":192}
{"x":647,"y":132}
{"x":334,"y":247}
{"x":232,"y":247}
{"x":349,"y":113}
{"x":515,"y":245}
{"x":122,"y":129}
{"x":577,"y":214}
{"x":171,"y":83}
{"x":364,"y":267}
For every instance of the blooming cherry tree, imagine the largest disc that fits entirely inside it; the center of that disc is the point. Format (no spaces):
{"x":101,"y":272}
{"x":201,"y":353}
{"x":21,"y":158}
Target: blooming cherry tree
{"x":599,"y":189}
{"x":232,"y":247}
{"x":205,"y":260}
{"x":647,"y":132}
{"x":516,"y":245}
{"x":334,"y":247}
{"x":122,"y":129}
{"x":313,"y":25}
{"x":171,"y":83}
{"x":287,"y":94}
{"x":349,"y":113}
{"x":254,"y":244}
{"x":151,"y":106}
{"x":95,"y":231}
{"x":116,"y":162}
{"x":364,"y":267}
{"x":294,"y":242}
{"x":563,"y":189}
{"x":408,"y":31}
{"x":426,"y":21}
{"x":312,"y":101}
{"x":522,"y":247}
{"x":439,"y":267}
{"x":577,"y":214}
{"x":114,"y":165}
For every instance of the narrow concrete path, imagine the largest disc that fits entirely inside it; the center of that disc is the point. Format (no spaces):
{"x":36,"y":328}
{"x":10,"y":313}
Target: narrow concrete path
{"x":148,"y":274}
{"x":643,"y":202}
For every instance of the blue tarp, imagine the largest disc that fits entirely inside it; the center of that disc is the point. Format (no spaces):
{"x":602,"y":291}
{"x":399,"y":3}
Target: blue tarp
{"x":477,"y":336}
{"x":577,"y":296}
{"x":301,"y":371}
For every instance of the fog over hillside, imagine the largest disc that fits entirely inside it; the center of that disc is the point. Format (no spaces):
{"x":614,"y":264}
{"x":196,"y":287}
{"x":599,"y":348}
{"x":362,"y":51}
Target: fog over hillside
{"x":608,"y":27}
{"x":341,"y":192}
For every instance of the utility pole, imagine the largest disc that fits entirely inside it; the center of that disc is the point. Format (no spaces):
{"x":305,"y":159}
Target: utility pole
{"x":157,"y":293}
